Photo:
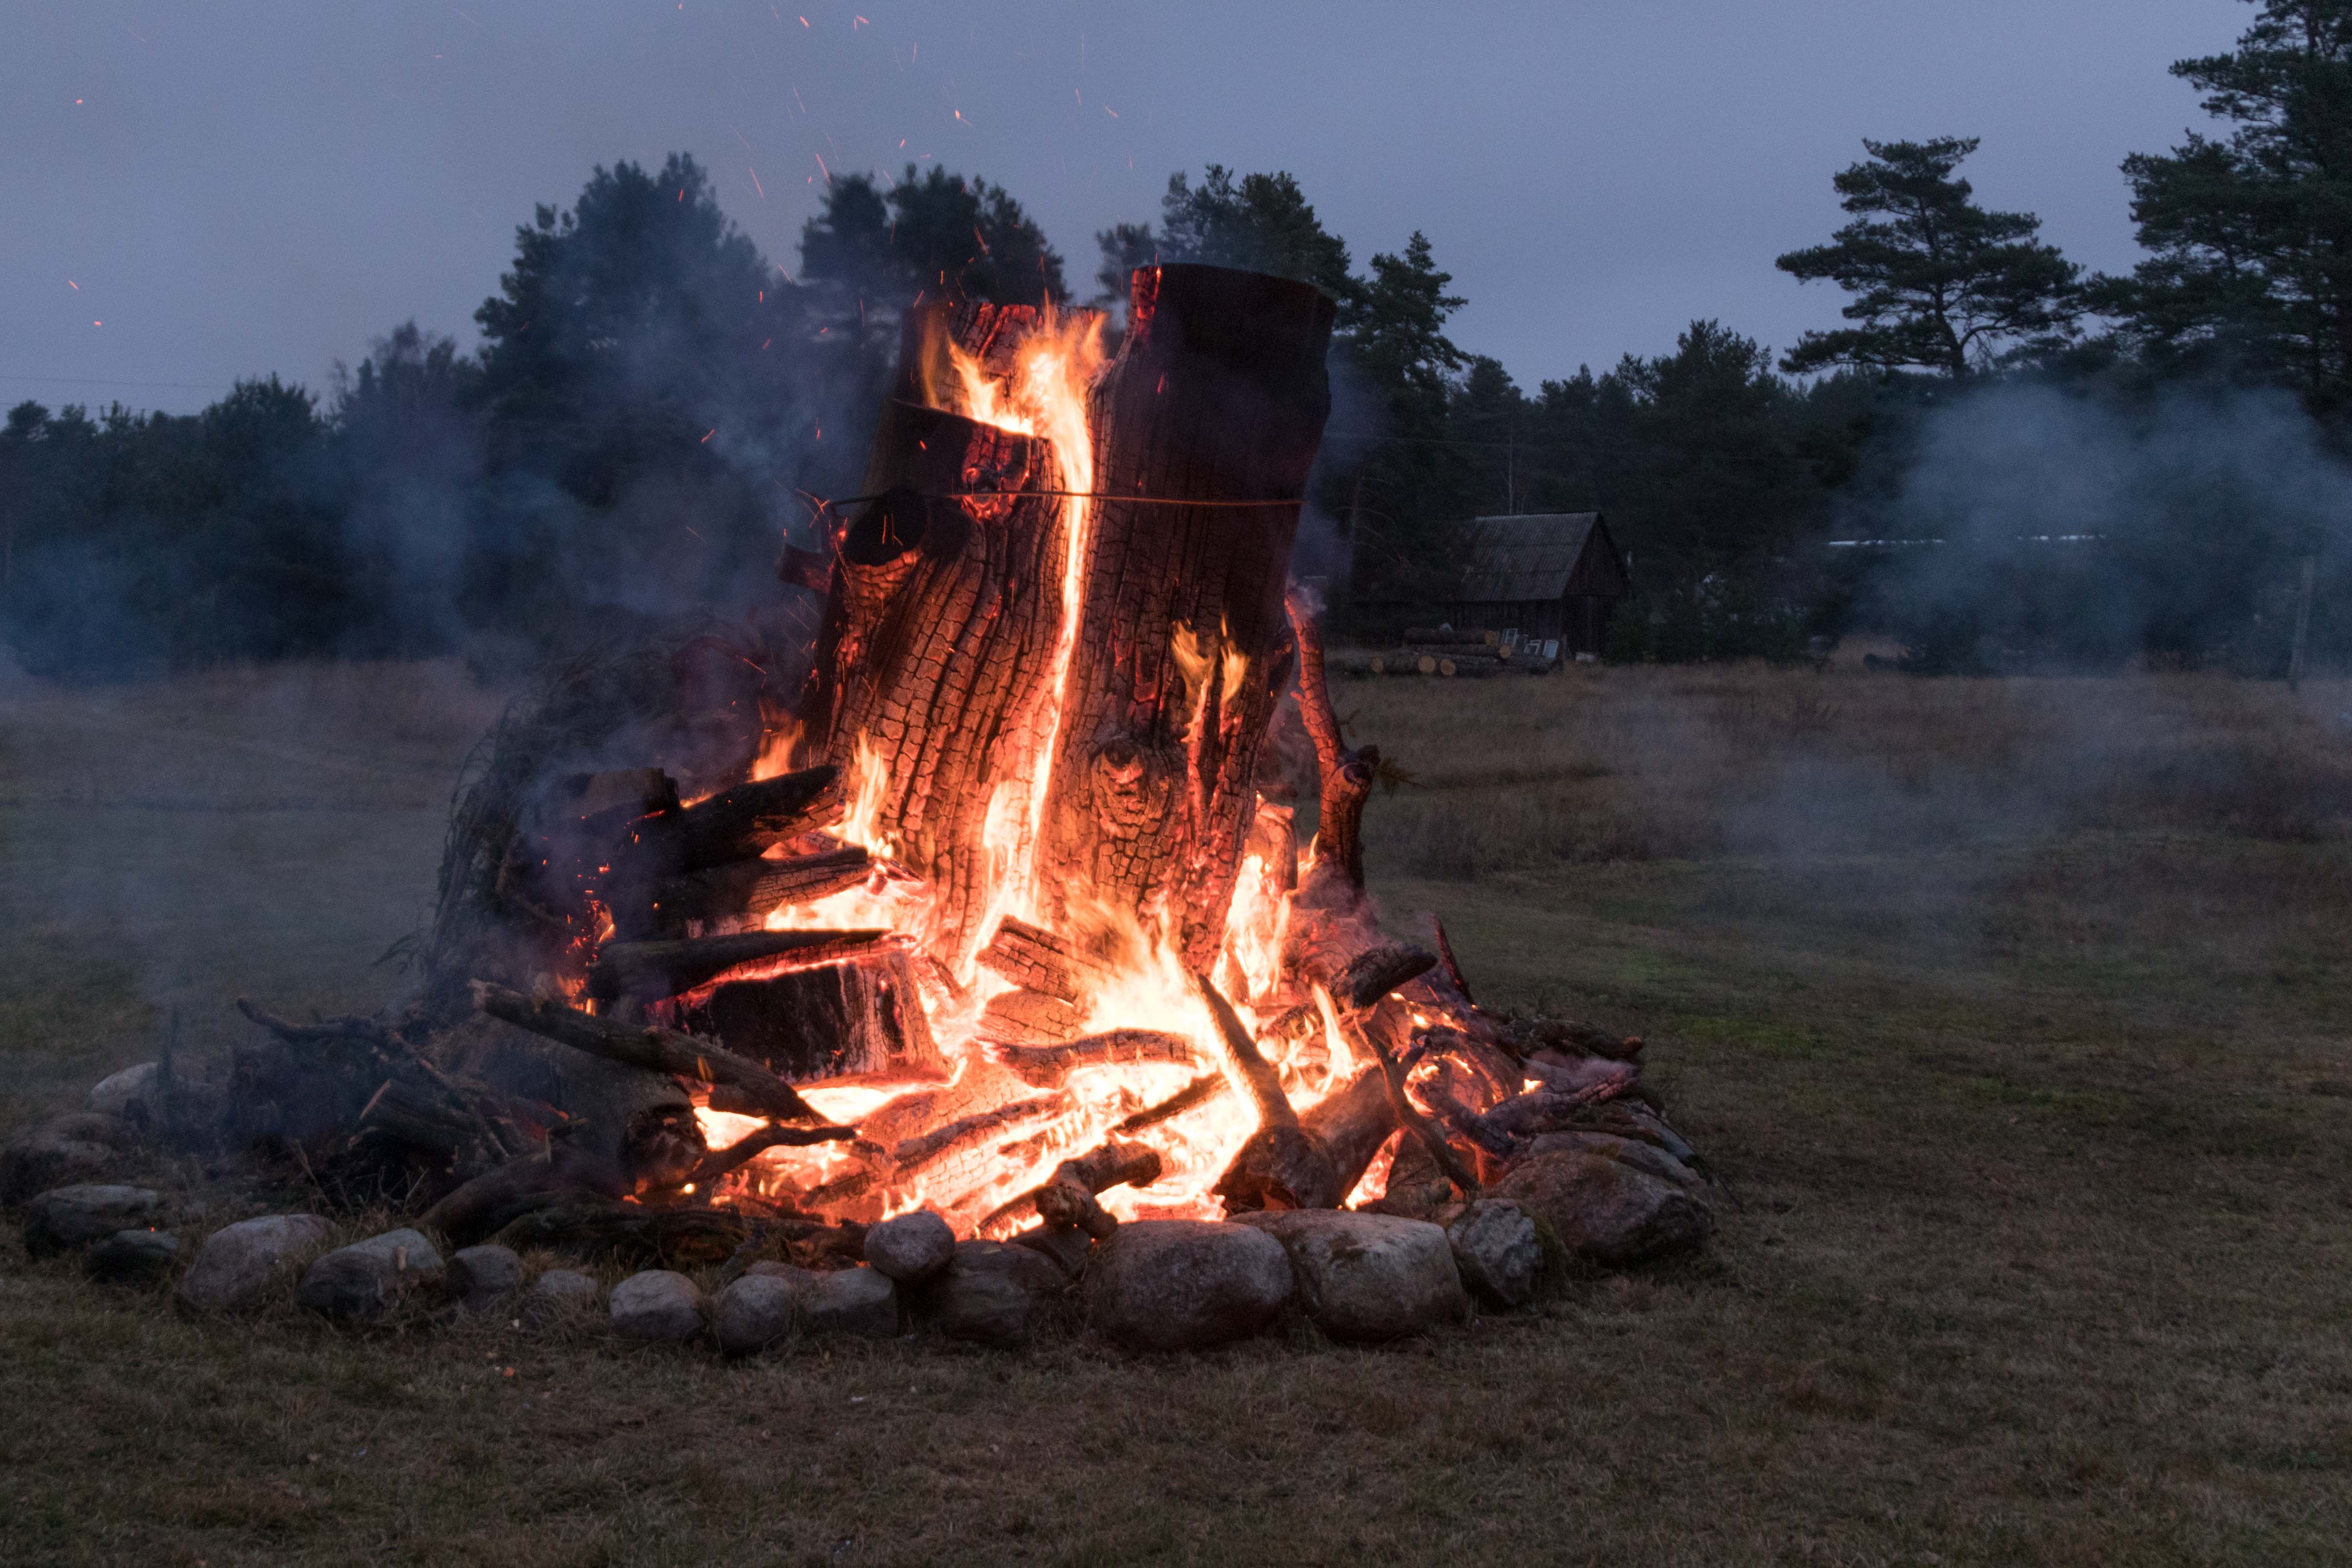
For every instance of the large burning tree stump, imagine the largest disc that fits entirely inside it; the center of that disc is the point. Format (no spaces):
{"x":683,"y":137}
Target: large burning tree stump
{"x":938,"y":645}
{"x":1209,"y":419}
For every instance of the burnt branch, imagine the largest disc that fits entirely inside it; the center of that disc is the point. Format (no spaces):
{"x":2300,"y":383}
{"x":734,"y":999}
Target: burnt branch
{"x":653,"y":1049}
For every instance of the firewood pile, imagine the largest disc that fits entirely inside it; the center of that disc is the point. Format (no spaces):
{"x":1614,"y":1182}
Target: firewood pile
{"x":969,"y":944}
{"x":1471,"y":654}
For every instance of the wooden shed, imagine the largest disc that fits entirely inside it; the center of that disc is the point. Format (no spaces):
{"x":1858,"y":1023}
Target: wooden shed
{"x":1550,"y":574}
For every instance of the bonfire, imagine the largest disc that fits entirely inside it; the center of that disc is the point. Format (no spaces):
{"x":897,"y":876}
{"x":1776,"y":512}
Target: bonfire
{"x":1014,"y":894}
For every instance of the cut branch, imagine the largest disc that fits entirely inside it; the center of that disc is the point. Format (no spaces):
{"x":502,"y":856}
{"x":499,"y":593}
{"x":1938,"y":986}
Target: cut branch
{"x":653,"y":1049}
{"x":751,"y":1145}
{"x":1257,"y":1074}
{"x":1345,"y":776}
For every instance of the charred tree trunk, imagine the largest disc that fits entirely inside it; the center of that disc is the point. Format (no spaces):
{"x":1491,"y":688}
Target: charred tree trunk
{"x":942,"y":694}
{"x":946,"y":608}
{"x":1218,"y":396}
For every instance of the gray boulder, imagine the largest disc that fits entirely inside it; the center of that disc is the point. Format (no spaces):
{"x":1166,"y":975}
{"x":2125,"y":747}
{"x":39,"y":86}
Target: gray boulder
{"x":1496,"y":1250}
{"x":237,"y":1264}
{"x":130,"y":1094}
{"x":849,"y":1301}
{"x":656,"y":1306}
{"x":1606,"y":1211}
{"x":67,"y":1219}
{"x":75,"y":1145}
{"x":479,"y":1278}
{"x":1368,"y":1277}
{"x":1185,"y":1284}
{"x":753,"y":1313}
{"x":131,"y":1256}
{"x":911,"y":1248}
{"x":990,"y":1292}
{"x":360,"y":1281}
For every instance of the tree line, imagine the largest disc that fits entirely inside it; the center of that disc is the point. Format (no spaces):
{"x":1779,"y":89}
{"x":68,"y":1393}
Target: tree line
{"x":653,"y":403}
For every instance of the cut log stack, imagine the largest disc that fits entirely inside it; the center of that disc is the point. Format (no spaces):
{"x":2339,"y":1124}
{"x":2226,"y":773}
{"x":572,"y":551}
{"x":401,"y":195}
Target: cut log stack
{"x":1444,"y":651}
{"x":1091,"y":768}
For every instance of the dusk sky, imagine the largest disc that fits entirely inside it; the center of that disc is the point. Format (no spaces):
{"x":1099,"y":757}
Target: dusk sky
{"x":197,"y":191}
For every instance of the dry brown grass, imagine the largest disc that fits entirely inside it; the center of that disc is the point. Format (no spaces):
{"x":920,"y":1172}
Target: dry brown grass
{"x":1651,"y":763}
{"x":2015,"y":1014}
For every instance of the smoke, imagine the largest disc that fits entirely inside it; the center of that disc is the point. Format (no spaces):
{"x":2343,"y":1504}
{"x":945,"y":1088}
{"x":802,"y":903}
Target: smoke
{"x":2036,"y":527}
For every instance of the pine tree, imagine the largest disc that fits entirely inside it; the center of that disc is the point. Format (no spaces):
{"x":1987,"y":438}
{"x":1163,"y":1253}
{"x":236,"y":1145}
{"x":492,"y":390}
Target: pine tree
{"x":1938,"y":282}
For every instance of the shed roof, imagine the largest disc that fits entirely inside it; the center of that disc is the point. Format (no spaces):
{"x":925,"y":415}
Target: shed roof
{"x":1517,"y":559}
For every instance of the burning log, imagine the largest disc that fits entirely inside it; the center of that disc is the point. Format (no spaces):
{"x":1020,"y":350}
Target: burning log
{"x":1317,"y":1163}
{"x":1045,"y":1067}
{"x":654,"y":1050}
{"x":1067,"y":1200}
{"x":1031,"y":1018}
{"x":1192,"y":1097}
{"x":750,"y":887}
{"x":1203,"y":431}
{"x":718,"y":1163}
{"x":649,"y":971}
{"x":1274,"y":839}
{"x":1279,"y":1166}
{"x":1352,"y":1123}
{"x":1408,"y":1116}
{"x":915,"y":1154}
{"x":1256,"y":1074}
{"x":748,"y":818}
{"x":858,"y":1018}
{"x":1039,"y":961}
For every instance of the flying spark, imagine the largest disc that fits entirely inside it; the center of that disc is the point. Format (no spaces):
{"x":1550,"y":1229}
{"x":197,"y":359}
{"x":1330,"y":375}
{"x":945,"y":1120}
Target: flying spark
{"x":755,"y":181}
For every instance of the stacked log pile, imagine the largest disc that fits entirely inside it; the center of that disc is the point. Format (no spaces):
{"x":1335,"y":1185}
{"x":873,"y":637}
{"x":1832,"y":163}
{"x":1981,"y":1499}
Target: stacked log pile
{"x":1444,"y":651}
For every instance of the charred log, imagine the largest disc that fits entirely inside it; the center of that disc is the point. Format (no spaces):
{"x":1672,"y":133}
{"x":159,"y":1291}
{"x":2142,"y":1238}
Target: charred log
{"x":654,"y":1050}
{"x":752,"y":888}
{"x":649,"y":971}
{"x":733,"y":825}
{"x":1037,"y":960}
{"x":1067,"y":1200}
{"x":484,"y":1206}
{"x":1256,"y":1074}
{"x":857,"y":1019}
{"x":1031,"y":1018}
{"x":1192,"y":1097}
{"x":1045,"y":1067}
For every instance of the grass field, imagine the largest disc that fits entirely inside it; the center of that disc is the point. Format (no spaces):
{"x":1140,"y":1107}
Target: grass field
{"x":2015,"y":1013}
